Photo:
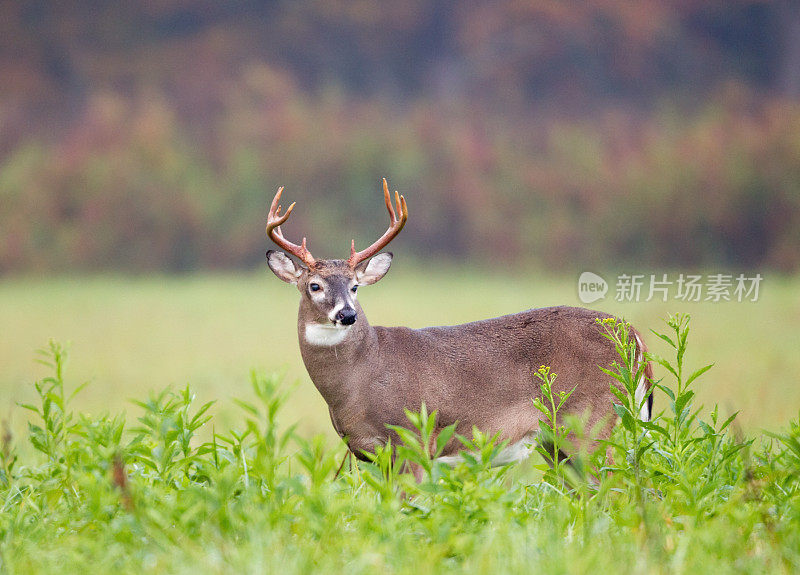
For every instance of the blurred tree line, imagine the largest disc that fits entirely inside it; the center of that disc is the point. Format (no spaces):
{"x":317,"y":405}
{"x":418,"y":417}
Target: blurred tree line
{"x":152,"y":135}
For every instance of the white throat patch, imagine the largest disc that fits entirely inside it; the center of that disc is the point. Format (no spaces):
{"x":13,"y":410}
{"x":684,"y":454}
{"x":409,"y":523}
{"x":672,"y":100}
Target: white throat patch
{"x":326,"y":334}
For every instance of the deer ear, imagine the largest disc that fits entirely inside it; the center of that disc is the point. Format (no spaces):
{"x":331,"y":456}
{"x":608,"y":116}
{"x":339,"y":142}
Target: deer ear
{"x":370,"y":271}
{"x":283,"y":267}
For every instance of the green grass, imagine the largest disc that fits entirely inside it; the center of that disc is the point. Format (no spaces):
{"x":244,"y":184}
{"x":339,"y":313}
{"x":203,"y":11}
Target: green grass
{"x":130,"y":335}
{"x":682,"y":494}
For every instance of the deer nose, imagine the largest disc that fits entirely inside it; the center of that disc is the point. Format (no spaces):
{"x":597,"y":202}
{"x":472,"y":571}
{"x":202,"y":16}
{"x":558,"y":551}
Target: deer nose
{"x":347,"y":316}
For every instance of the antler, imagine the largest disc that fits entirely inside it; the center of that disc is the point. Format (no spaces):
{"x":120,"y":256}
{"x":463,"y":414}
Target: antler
{"x":274,"y":221}
{"x":395,"y":225}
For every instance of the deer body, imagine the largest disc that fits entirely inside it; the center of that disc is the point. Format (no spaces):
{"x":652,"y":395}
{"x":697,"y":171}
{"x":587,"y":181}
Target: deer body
{"x":488,"y":383}
{"x":478,"y":374}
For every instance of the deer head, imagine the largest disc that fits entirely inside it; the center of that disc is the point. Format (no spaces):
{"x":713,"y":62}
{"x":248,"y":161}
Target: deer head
{"x":329,"y":287}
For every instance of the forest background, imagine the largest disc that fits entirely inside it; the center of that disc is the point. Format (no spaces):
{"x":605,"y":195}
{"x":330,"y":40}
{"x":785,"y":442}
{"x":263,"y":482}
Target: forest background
{"x":145,"y":136}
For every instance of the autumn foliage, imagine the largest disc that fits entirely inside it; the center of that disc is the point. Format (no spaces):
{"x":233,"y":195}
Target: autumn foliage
{"x":549,"y":133}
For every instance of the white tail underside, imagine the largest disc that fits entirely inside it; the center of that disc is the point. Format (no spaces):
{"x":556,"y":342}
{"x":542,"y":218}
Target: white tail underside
{"x":641,"y":388}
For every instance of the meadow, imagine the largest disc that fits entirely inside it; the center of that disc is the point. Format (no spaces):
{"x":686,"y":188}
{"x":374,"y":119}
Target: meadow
{"x":214,"y":478}
{"x":131,"y":335}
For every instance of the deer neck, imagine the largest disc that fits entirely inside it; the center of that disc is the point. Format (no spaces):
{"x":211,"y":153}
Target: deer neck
{"x":334,"y":356}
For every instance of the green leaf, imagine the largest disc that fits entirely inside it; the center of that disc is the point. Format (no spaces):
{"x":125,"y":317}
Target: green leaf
{"x":414,"y":418}
{"x":665,"y":364}
{"x":249,"y":407}
{"x":565,"y":397}
{"x":430,"y":421}
{"x":664,"y":337}
{"x":77,"y":390}
{"x":627,"y":419}
{"x":649,"y":425}
{"x":666,"y":390}
{"x":537,"y":403}
{"x":613,"y":373}
{"x":444,"y":437}
{"x":546,"y":428}
{"x":682,"y":401}
{"x":728,"y":421}
{"x":622,"y":396}
{"x":201,"y":411}
{"x":698,"y":373}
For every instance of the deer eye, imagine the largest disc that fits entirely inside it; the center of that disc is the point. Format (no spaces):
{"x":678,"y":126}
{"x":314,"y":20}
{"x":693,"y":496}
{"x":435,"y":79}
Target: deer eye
{"x":354,"y":289}
{"x":314,"y":287}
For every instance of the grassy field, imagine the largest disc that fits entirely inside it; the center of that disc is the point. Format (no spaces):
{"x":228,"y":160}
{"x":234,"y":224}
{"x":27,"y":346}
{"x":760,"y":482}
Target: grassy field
{"x":178,"y":489}
{"x":684,"y":493}
{"x":131,"y":335}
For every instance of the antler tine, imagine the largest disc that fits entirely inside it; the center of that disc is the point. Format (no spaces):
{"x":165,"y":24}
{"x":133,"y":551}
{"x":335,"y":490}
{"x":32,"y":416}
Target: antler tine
{"x":274,"y":221}
{"x":395,"y":225}
{"x":387,"y":198}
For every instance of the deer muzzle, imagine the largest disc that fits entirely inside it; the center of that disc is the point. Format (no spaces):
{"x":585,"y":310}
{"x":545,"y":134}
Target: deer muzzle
{"x":346,"y":316}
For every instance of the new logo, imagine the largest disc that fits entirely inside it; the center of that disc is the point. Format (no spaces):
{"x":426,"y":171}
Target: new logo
{"x":591,"y":287}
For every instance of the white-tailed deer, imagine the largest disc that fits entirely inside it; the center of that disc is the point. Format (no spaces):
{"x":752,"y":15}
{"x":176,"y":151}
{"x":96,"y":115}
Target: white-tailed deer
{"x":476,"y":374}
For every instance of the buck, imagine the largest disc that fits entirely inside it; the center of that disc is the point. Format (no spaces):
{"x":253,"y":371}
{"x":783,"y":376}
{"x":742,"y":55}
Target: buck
{"x":477,"y":374}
